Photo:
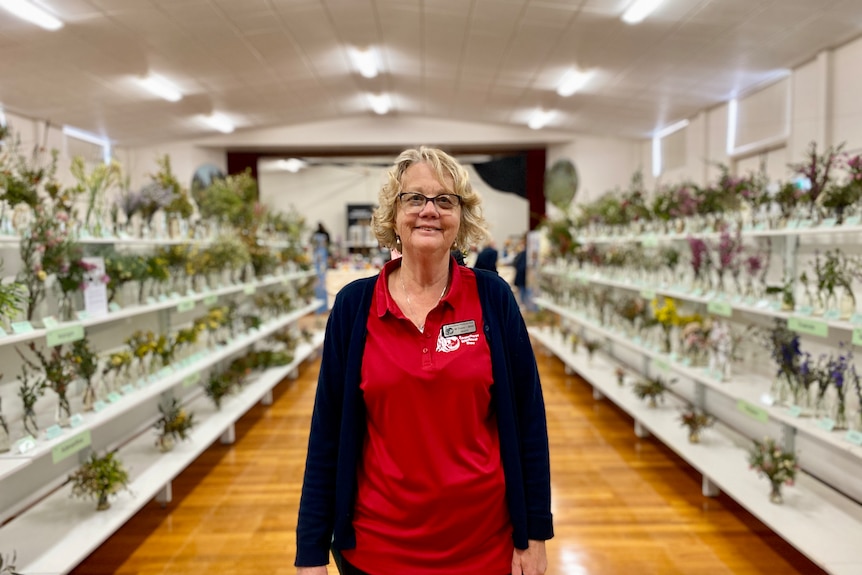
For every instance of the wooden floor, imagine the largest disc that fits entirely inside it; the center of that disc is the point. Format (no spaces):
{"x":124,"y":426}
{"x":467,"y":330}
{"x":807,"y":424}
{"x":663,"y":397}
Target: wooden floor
{"x":622,"y":505}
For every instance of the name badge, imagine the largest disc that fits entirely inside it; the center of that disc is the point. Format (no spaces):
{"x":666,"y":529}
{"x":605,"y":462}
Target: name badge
{"x":460,"y":328}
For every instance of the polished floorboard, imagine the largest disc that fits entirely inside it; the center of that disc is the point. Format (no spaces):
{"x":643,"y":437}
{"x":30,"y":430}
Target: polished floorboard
{"x":622,"y":505}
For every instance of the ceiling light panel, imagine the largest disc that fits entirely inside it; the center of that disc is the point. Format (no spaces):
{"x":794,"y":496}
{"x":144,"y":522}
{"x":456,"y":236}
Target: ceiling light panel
{"x":219,"y":122}
{"x":639,"y":10}
{"x":380,"y":103}
{"x":572,"y":81}
{"x":161,"y":88}
{"x":365,"y":61}
{"x":32,"y":13}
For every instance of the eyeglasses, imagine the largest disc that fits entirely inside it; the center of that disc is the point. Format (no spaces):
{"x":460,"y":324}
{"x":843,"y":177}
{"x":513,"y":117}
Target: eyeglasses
{"x":414,"y":202}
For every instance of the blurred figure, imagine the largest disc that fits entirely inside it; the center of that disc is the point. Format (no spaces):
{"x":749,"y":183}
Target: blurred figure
{"x":487,"y":259}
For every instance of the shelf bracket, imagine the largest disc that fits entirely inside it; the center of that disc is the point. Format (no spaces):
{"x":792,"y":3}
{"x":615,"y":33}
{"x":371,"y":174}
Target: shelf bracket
{"x":597,"y":394}
{"x":641,"y":431}
{"x":267,"y":398}
{"x":229,"y":435}
{"x":708,"y":488}
{"x":788,"y":438}
{"x":165,"y":495}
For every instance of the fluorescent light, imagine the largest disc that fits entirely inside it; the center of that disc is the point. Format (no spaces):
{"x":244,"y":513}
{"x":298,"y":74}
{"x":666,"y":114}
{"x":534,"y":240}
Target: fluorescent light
{"x":32,"y":13}
{"x":665,"y":132}
{"x":572,"y":81}
{"x":365,"y":61}
{"x":732,"y":117}
{"x":219,"y":122}
{"x":380,"y":103}
{"x":161,"y":88}
{"x":85,"y":136}
{"x":292,"y":165}
{"x":540,"y":119}
{"x":656,"y":156}
{"x":639,"y":10}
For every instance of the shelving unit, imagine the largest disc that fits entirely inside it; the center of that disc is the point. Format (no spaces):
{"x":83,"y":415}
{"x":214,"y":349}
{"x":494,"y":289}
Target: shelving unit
{"x":59,"y":532}
{"x":826,"y":499}
{"x":816,"y":519}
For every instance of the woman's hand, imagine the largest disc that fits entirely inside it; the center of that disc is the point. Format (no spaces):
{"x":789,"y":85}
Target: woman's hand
{"x":319,"y":570}
{"x":530,"y":561}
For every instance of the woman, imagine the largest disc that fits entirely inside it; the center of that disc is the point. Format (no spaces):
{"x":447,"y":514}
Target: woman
{"x":428,"y":452}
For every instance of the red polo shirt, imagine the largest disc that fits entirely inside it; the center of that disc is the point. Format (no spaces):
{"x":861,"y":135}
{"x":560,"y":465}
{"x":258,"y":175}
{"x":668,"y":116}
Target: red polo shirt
{"x":431,"y":496}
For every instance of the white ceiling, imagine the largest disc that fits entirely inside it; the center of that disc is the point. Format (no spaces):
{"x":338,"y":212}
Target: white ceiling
{"x":268,"y":63}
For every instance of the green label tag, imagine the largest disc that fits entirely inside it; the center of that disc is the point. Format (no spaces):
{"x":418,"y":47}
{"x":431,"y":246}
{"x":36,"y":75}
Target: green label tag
{"x":50,"y":322}
{"x":809,"y":326}
{"x":722,"y":308}
{"x":3,"y":332}
{"x":185,"y":306}
{"x":794,"y":411}
{"x":25,"y":444}
{"x":114,"y":307}
{"x":210,"y":300}
{"x":857,"y":336}
{"x":83,"y":314}
{"x":249,"y":289}
{"x":22,"y":327}
{"x":65,"y":334}
{"x":854,"y":437}
{"x":127,"y":389}
{"x":648,"y":294}
{"x":826,"y":424}
{"x":752,"y":411}
{"x":832,"y":314}
{"x":99,"y":406}
{"x":114,"y":397}
{"x":192,"y":379}
{"x":828,"y":223}
{"x":661,"y":365}
{"x":76,"y":420}
{"x":650,"y":241}
{"x":71,"y":446}
{"x":852,"y":221}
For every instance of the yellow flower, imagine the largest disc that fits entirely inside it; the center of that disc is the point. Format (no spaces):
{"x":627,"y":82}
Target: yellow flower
{"x":41,"y":275}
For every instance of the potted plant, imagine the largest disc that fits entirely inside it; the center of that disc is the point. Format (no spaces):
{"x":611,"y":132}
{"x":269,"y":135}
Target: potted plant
{"x":652,"y":388}
{"x":777,"y":465}
{"x":696,"y":421}
{"x":218,"y":386}
{"x":174,"y":424}
{"x":99,"y":478}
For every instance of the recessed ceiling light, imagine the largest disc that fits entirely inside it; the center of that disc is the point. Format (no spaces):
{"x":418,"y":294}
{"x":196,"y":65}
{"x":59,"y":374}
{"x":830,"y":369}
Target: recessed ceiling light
{"x":540,"y":119}
{"x":572,"y":81}
{"x":161,"y":88}
{"x":32,"y":13}
{"x":639,"y":10}
{"x":365,"y":61}
{"x":380,"y":103}
{"x":219,"y":122}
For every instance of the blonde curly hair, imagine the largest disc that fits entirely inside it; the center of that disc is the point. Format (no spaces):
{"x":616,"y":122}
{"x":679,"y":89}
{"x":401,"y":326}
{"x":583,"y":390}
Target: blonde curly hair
{"x":473,"y":229}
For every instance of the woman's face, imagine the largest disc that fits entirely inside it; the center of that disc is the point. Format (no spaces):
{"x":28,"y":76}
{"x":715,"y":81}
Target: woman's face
{"x":430,"y":229}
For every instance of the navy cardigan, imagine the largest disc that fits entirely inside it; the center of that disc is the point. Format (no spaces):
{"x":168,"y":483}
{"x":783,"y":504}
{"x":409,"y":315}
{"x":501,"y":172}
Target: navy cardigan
{"x":338,"y":422}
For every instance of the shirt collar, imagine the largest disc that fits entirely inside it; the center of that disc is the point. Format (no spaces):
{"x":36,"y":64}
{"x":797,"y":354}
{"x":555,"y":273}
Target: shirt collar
{"x":385,"y":302}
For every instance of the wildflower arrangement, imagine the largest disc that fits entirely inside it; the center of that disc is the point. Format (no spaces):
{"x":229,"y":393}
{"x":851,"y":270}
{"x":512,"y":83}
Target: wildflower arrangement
{"x":57,"y":373}
{"x":174,"y":422}
{"x":99,"y":478}
{"x":94,"y":184}
{"x":784,"y":347}
{"x":817,"y":169}
{"x":652,"y":388}
{"x":667,"y":317}
{"x":217,"y":386}
{"x":30,"y":390}
{"x":695,"y":421}
{"x":728,"y":257}
{"x":771,"y":461}
{"x":620,"y":373}
{"x":700,"y":260}
{"x":591,"y":345}
{"x":85,"y":364}
{"x":11,"y":297}
{"x":837,"y":368}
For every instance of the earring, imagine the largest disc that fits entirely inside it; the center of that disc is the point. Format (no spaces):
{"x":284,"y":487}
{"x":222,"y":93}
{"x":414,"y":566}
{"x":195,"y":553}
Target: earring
{"x":398,"y":245}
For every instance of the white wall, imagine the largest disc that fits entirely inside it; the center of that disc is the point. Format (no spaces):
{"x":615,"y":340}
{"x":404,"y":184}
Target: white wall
{"x":603,"y":164}
{"x":321,"y":194}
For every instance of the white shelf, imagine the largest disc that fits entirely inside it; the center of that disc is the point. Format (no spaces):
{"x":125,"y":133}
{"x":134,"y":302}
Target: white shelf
{"x":141,"y":394}
{"x":59,"y":532}
{"x":751,"y":233}
{"x":170,"y":303}
{"x":12,"y":463}
{"x":823,"y":524}
{"x":745,"y":386}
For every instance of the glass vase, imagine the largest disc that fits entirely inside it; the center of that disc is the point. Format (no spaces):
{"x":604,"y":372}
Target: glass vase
{"x":775,"y":492}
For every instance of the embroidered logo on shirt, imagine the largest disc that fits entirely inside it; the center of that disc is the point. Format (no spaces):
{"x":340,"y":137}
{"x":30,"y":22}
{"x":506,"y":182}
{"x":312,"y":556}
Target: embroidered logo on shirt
{"x":450,"y":344}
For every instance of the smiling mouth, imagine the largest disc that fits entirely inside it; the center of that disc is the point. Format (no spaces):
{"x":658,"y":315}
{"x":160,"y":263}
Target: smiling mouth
{"x":427,"y":229}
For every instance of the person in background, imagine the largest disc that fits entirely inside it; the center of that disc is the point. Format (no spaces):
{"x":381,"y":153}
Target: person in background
{"x":487,"y":258}
{"x":520,"y":265}
{"x":428,"y":450}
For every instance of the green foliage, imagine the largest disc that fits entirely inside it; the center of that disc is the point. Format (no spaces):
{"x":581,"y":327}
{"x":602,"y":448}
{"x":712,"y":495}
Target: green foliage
{"x":174,"y":422}
{"x":99,"y":478}
{"x":219,"y":385}
{"x":231,"y":199}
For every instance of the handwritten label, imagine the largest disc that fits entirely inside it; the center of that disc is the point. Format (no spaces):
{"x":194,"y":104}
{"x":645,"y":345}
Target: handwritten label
{"x":648,"y":294}
{"x":65,"y":334}
{"x":192,"y":379}
{"x":114,"y":307}
{"x":854,"y":437}
{"x":76,"y":420}
{"x":828,"y":223}
{"x":114,"y":397}
{"x":831,"y":314}
{"x":50,"y":322}
{"x":752,"y":411}
{"x":25,"y":444}
{"x":852,"y":221}
{"x":99,"y":406}
{"x":127,"y":389}
{"x":71,"y":446}
{"x":249,"y":289}
{"x":857,"y":336}
{"x":53,"y":431}
{"x":794,"y":411}
{"x":210,"y":299}
{"x":82,"y":314}
{"x":185,"y":306}
{"x":808,"y":326}
{"x":721,"y":308}
{"x":650,"y":241}
{"x":22,"y":327}
{"x":826,"y":424}
{"x":661,"y":365}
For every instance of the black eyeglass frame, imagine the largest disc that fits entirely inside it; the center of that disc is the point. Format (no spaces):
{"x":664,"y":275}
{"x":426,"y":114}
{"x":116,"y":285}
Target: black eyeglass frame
{"x":430,"y":199}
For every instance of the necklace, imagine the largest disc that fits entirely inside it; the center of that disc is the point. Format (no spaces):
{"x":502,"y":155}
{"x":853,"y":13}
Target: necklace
{"x":410,"y":306}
